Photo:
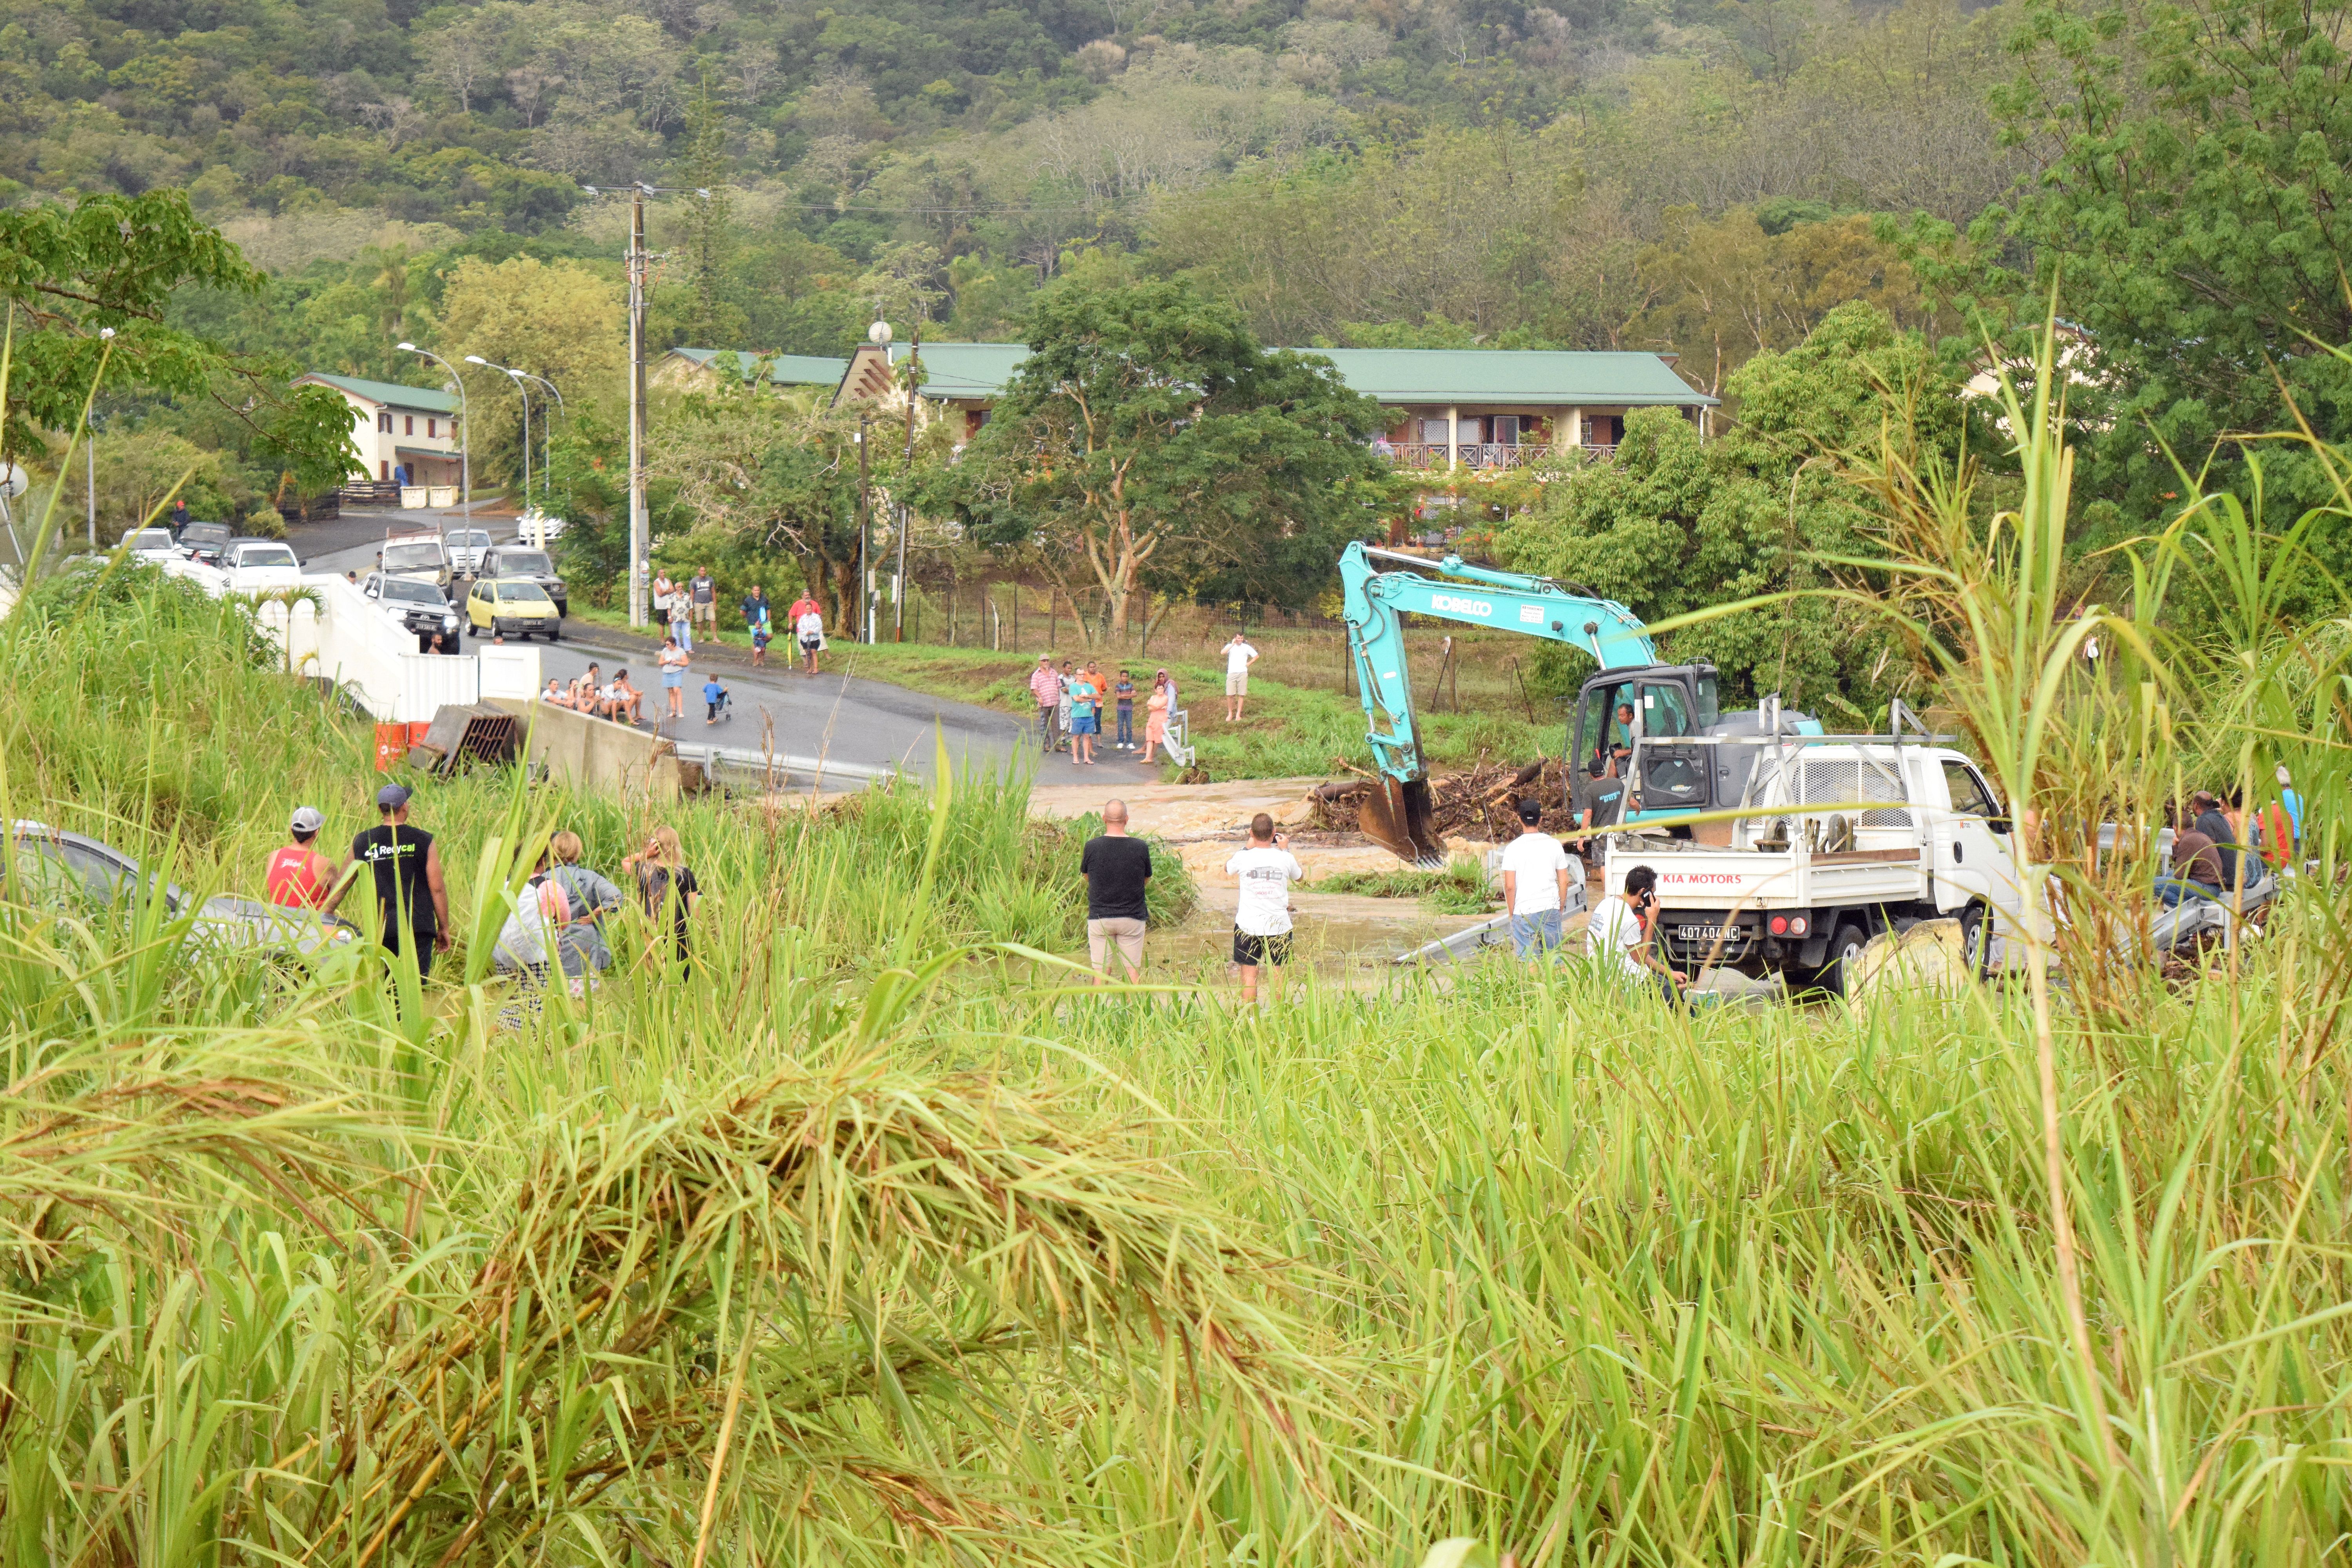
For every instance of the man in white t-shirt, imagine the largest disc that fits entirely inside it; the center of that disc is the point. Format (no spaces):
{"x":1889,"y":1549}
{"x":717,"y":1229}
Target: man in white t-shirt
{"x":1617,"y":937}
{"x":1535,"y":883}
{"x":1239,"y":657}
{"x":1262,"y":917}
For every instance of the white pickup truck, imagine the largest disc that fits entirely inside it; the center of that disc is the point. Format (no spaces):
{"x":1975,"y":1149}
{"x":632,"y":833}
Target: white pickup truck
{"x":1841,"y":838}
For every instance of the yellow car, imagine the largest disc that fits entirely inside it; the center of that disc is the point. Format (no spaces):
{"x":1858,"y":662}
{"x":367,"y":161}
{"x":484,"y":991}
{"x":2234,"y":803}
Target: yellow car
{"x":512,"y":605}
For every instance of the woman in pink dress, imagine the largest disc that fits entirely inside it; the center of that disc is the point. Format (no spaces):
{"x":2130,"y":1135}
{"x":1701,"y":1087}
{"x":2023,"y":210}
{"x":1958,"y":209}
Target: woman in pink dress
{"x":1155,"y":723}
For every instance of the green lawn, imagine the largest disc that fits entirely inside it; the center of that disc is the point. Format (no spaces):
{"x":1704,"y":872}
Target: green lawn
{"x":1286,"y":732}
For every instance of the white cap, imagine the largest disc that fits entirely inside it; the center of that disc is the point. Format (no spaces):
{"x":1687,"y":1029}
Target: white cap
{"x":2282,"y":776}
{"x":308,"y":819}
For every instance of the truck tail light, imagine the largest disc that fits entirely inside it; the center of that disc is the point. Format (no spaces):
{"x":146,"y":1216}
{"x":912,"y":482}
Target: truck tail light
{"x":1796,"y":925}
{"x":1779,"y":925}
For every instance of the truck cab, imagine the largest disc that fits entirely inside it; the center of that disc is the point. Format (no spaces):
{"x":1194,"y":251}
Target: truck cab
{"x":1671,"y":712}
{"x":1839,"y":838}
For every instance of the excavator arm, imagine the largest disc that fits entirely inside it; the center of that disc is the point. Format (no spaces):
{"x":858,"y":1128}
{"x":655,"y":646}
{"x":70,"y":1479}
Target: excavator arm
{"x":1375,"y":602}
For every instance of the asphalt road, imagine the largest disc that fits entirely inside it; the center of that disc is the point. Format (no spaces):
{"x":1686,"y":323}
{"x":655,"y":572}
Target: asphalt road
{"x":866,"y":723}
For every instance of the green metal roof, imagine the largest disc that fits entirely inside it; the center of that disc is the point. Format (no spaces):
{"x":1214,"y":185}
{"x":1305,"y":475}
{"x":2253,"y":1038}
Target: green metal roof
{"x":1434,"y":376}
{"x":783,"y":369}
{"x":965,"y":370}
{"x":1541,"y":376}
{"x":422,"y":400}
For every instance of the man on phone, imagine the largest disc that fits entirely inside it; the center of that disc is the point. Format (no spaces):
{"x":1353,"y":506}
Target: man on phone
{"x":1618,"y":937}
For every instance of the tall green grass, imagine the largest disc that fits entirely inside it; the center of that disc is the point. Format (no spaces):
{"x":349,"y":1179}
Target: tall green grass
{"x":875,"y":1241}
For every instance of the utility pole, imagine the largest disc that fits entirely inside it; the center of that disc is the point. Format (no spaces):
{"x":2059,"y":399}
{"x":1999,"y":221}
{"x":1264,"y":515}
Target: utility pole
{"x":865,"y":519}
{"x":898,"y":594}
{"x":637,"y":531}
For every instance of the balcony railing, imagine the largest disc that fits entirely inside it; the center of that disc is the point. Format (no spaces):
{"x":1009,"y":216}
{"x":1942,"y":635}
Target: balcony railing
{"x":1425,"y":455}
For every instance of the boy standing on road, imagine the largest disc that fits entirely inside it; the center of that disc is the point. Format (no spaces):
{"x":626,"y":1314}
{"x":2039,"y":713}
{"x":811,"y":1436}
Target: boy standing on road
{"x":1262,"y":917}
{"x":1124,"y":692}
{"x":1084,"y":726}
{"x":1535,"y":884}
{"x":1239,"y":657}
{"x":1117,"y":868}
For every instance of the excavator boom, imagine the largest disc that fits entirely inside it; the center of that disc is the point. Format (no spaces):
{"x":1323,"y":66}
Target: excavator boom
{"x":1397,"y":817}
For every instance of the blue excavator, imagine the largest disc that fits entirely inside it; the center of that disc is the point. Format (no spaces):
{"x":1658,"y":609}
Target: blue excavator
{"x":1631,"y":696}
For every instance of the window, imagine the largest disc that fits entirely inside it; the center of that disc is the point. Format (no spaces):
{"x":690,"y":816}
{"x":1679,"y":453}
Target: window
{"x":383,"y":470}
{"x":384,"y":421}
{"x":408,"y":423}
{"x":1970,"y":796}
{"x":1433,"y":432}
{"x":1665,"y":711}
{"x":431,"y":426}
{"x":1507,"y":429}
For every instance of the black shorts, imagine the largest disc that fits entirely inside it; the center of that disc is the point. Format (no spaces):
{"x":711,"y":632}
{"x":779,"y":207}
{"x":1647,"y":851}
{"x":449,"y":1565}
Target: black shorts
{"x":1252,"y":951}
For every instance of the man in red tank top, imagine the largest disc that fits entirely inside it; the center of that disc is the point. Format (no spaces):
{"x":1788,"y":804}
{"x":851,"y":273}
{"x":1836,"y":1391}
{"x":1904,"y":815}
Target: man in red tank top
{"x":298,"y":876}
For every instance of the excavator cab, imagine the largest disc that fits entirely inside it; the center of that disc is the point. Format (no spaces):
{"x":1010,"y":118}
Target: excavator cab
{"x":1653,"y":704}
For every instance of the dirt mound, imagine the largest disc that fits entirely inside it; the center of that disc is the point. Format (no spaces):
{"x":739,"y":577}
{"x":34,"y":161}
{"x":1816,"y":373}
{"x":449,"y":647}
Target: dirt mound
{"x":1478,"y":803}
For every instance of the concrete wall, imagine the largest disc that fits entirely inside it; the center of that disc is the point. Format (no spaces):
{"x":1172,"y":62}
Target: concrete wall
{"x":591,"y":754}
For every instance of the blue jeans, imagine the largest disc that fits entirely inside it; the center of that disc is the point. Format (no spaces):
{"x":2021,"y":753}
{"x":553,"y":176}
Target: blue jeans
{"x":682,"y":629}
{"x":1127,"y":723}
{"x":1536,"y":933}
{"x":2171,"y":890}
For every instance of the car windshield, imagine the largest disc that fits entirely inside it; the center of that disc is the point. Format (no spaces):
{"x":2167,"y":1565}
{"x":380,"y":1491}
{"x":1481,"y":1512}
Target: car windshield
{"x":150,"y":539}
{"x":525,"y":563}
{"x":204,"y":534}
{"x":267,"y":555}
{"x":410,"y":557}
{"x":523,"y":593}
{"x":414,"y":592}
{"x":470,"y":539}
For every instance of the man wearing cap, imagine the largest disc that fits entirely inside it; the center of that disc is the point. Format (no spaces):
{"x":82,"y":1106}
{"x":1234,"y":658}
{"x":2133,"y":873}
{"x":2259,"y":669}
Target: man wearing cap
{"x":1535,"y":884}
{"x":1046,"y":688}
{"x":299,"y":877}
{"x":406,"y":865}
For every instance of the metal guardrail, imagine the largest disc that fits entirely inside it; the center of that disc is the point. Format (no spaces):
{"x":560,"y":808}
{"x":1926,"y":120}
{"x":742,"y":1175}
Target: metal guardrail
{"x":1178,"y":738}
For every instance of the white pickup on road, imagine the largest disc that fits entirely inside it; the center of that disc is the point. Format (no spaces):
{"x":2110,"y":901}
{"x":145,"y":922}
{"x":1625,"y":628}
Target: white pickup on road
{"x":1841,"y":838}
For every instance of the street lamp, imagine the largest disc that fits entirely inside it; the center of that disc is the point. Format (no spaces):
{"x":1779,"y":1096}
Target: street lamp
{"x":465,"y":433}
{"x":547,"y":468}
{"x":524,"y":392}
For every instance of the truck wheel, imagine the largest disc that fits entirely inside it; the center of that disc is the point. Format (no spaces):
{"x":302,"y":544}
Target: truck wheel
{"x":555,"y":631}
{"x":1975,"y":941}
{"x":1845,"y":966}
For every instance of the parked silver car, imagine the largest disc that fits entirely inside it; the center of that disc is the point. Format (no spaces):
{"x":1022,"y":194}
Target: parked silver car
{"x":73,"y":873}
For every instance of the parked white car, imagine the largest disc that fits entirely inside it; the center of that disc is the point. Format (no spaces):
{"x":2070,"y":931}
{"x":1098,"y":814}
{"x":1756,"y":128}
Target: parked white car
{"x":154,"y":545}
{"x":416,"y":606}
{"x":536,"y":527}
{"x":258,"y":565}
{"x":466,"y":546}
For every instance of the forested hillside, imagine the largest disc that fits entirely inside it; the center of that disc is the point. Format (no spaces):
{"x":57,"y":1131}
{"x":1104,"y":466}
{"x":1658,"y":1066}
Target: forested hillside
{"x":1357,"y":171}
{"x":1709,"y":178}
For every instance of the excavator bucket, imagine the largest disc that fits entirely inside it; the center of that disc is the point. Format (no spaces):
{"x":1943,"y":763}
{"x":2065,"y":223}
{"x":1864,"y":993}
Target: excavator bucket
{"x":1396,"y":816}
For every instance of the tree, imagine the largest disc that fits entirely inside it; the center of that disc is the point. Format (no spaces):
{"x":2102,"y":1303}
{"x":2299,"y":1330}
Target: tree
{"x":1147,"y":429}
{"x":95,"y":281}
{"x":1670,"y":525}
{"x":552,"y":319}
{"x":2195,"y":216}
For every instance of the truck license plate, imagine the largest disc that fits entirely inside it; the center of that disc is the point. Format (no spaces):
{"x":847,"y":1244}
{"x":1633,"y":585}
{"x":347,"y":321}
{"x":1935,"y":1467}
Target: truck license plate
{"x":1709,"y":933}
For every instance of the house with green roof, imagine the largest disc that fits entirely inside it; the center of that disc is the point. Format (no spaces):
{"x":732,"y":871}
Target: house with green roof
{"x":409,"y":431}
{"x":1450,"y":409}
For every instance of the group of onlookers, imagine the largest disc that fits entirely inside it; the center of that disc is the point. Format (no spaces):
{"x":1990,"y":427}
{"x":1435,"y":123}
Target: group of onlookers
{"x":589,"y":692}
{"x":1073,"y":701}
{"x":558,"y":918}
{"x":2222,"y":849}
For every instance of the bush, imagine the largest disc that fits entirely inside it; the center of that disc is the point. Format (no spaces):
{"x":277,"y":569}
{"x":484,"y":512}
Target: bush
{"x":266,"y":523}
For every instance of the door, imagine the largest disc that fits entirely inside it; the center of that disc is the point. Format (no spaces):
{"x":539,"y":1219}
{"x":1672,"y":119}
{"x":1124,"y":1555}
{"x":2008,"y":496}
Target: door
{"x":1972,"y":851}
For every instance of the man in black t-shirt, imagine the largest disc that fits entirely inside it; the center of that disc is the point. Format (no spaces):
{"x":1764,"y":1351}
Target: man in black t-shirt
{"x":1116,"y":867}
{"x":409,"y":890}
